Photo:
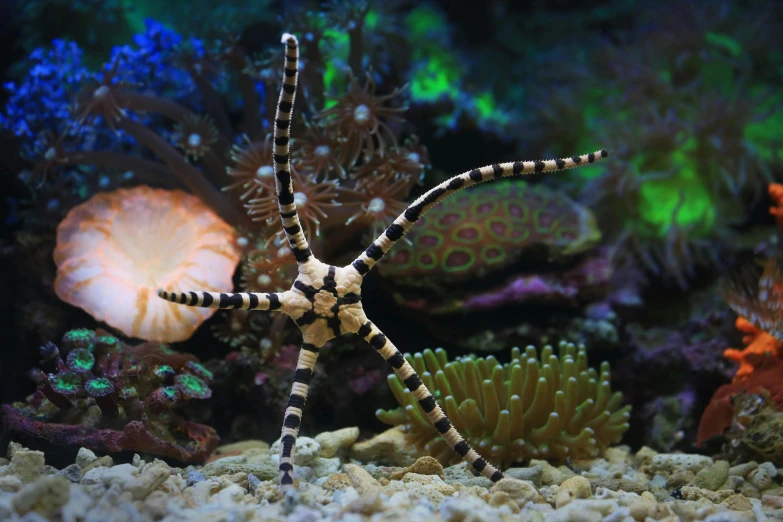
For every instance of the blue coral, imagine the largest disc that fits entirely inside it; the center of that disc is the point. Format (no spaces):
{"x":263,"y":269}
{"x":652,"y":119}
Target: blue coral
{"x":148,"y":63}
{"x":41,"y":100}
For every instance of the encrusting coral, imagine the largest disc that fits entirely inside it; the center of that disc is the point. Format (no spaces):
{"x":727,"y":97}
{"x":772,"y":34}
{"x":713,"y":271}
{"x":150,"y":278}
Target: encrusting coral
{"x":535,"y":242}
{"x":747,"y":411}
{"x":545,"y":407}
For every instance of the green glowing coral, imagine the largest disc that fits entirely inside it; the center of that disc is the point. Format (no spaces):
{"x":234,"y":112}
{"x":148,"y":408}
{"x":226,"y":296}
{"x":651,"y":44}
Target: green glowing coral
{"x":67,"y":383}
{"x":199,"y":370}
{"x":192,"y":387}
{"x":99,"y":387}
{"x":532,"y":407}
{"x":80,"y":360}
{"x":79,"y":338}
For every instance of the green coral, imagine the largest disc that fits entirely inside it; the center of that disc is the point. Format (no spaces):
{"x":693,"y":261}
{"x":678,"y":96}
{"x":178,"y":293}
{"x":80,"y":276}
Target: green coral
{"x":532,"y":407}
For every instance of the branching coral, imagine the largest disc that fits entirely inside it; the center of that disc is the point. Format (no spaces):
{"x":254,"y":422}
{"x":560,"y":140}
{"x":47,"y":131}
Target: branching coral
{"x":97,"y":392}
{"x":762,"y":350}
{"x":546,"y":407}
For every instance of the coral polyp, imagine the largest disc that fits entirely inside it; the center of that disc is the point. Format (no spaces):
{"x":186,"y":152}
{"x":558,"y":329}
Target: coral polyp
{"x":363,"y":118}
{"x":537,"y":406}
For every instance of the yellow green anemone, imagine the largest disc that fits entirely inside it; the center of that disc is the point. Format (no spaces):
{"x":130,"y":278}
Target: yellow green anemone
{"x":533,"y":407}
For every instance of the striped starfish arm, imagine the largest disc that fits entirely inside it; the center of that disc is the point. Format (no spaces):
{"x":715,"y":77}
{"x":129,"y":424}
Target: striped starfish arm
{"x":308,"y":355}
{"x":282,"y":153}
{"x":432,"y":197}
{"x":226,"y":301}
{"x":408,"y":375}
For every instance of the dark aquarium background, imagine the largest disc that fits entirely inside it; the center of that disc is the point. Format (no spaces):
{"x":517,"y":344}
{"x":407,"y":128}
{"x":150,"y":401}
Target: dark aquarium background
{"x":136,"y":153}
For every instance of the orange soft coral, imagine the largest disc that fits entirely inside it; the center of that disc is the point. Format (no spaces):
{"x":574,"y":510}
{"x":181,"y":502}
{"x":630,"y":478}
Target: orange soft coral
{"x":116,"y":249}
{"x":776,"y":193}
{"x":761,"y":350}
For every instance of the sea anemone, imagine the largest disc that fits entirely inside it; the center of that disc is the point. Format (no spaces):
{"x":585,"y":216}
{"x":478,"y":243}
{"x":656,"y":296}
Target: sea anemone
{"x":548,"y":407}
{"x":116,"y":249}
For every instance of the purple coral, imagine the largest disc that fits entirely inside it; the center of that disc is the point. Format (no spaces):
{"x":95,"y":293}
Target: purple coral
{"x":137,"y":390}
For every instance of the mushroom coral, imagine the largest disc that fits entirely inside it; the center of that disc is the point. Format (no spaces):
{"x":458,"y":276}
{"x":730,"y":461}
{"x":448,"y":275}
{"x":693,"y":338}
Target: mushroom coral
{"x":116,"y":249}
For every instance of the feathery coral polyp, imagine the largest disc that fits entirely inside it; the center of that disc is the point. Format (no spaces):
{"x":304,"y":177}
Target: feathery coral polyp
{"x":114,"y":250}
{"x":360,"y":117}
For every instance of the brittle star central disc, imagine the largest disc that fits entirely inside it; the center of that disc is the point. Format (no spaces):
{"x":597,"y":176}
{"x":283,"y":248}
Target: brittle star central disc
{"x":326,"y":302}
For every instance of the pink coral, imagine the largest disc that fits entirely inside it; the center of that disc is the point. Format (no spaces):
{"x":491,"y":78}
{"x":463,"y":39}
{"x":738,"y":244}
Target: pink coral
{"x":116,"y":249}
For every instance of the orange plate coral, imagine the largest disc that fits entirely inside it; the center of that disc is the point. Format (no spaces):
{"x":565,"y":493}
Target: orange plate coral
{"x":117,"y":248}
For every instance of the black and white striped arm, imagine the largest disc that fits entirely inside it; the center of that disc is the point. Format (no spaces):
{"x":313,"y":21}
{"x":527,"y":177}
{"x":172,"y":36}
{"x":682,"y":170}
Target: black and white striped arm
{"x":226,"y":301}
{"x":413,"y":382}
{"x":308,"y":355}
{"x":282,"y":154}
{"x":432,"y":197}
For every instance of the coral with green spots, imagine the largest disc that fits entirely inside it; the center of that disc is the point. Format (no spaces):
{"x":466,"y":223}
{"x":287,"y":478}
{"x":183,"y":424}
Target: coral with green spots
{"x":97,"y":392}
{"x":495,"y":231}
{"x":537,"y":406}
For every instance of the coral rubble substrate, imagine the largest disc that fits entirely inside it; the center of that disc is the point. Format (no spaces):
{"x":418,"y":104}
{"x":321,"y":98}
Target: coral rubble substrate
{"x":338,"y":480}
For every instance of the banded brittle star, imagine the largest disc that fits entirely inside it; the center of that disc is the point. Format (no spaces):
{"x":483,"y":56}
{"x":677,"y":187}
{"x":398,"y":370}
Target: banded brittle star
{"x":325,"y":301}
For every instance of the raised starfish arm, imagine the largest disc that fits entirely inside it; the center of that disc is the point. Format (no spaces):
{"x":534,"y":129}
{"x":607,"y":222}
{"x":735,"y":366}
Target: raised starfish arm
{"x":432,"y":197}
{"x":227,"y":301}
{"x":308,"y":355}
{"x":285,"y":190}
{"x":408,"y":375}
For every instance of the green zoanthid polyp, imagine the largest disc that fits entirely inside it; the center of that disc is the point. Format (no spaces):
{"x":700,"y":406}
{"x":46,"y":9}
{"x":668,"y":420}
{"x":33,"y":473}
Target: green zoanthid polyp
{"x":325,"y":301}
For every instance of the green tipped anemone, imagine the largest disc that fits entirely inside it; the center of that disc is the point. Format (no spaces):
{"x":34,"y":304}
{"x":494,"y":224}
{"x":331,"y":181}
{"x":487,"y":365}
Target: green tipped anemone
{"x":545,"y":407}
